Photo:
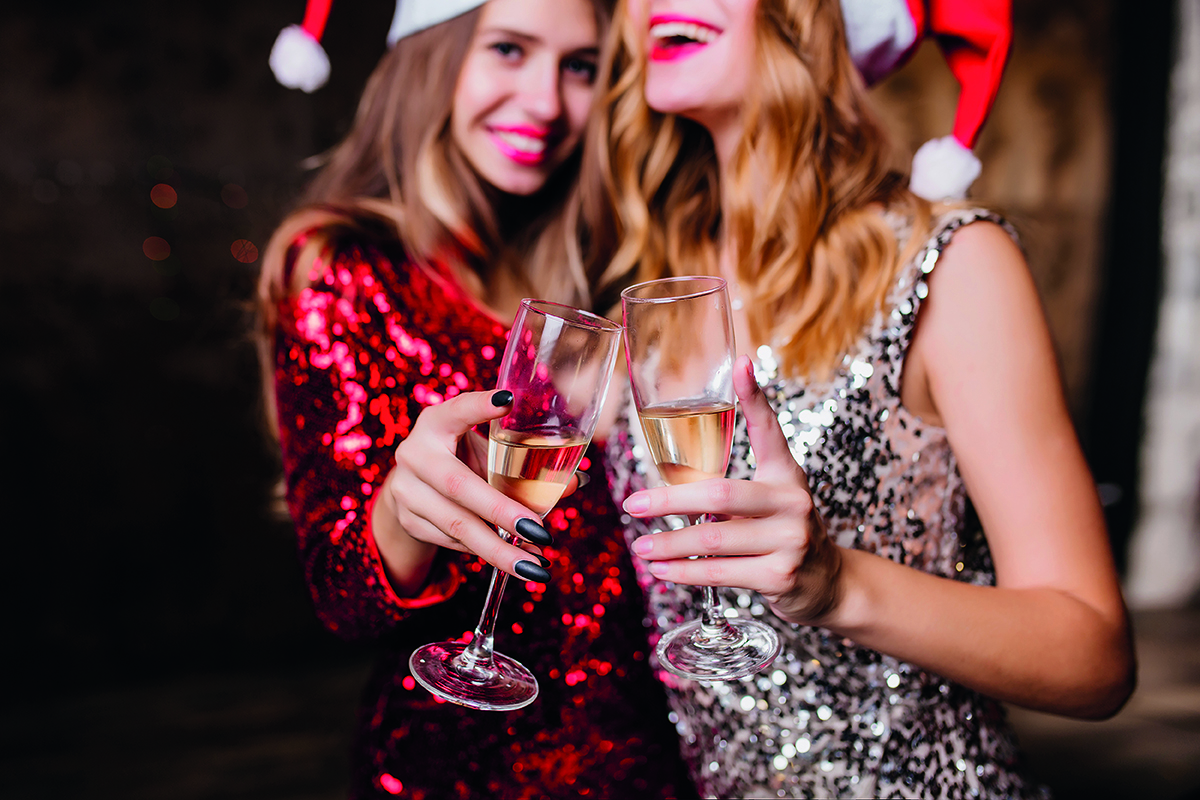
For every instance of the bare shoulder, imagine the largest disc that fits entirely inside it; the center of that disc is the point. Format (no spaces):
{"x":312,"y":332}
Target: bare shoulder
{"x":982,"y":321}
{"x":980,"y":256}
{"x":982,"y":284}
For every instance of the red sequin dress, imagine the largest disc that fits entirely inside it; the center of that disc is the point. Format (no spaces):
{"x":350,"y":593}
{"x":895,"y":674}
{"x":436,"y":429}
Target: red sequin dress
{"x":358,"y":354}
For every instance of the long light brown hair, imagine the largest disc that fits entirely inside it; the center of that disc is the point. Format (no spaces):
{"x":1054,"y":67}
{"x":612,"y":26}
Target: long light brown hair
{"x":399,"y":174}
{"x":814,"y":256}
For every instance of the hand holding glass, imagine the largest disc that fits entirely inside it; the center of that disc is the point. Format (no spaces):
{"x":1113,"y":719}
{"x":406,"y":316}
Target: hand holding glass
{"x":679,"y":343}
{"x":557,"y":364}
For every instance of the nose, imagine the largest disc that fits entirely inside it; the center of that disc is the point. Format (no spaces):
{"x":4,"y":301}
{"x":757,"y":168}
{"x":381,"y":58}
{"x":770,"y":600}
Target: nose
{"x":541,"y":89}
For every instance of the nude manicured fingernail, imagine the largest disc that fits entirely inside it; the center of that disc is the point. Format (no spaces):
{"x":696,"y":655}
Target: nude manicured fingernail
{"x":530,"y":530}
{"x":636,"y":504}
{"x":531,"y":571}
{"x":643,"y":546}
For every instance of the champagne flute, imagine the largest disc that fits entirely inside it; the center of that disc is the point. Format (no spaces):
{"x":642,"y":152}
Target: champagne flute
{"x":679,"y":344}
{"x":557,"y":364}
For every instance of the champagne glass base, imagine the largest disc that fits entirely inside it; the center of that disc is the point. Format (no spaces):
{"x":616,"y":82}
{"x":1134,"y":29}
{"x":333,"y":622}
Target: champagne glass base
{"x":737,"y":649}
{"x":504,"y":686}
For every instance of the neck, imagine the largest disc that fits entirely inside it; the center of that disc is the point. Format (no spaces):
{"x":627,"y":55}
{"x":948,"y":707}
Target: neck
{"x":726,"y":133}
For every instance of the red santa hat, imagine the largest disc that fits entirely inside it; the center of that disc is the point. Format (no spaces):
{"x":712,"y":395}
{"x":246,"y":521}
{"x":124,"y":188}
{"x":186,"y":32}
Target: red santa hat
{"x":975,"y":37}
{"x":299,"y":61}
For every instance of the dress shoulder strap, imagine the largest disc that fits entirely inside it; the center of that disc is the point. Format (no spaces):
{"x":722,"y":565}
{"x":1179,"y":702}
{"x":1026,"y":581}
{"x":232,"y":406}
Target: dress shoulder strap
{"x":898,"y":317}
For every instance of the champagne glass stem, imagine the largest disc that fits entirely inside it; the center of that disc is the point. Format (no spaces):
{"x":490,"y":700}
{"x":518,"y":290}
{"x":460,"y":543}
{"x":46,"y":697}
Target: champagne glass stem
{"x":713,"y":621}
{"x":476,"y":659}
{"x":713,"y":625}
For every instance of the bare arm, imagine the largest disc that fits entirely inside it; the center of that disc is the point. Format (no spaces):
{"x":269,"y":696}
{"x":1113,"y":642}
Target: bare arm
{"x":1053,"y":633}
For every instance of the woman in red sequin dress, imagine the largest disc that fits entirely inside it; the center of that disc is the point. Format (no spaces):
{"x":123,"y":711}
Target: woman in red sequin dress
{"x":386,"y":301}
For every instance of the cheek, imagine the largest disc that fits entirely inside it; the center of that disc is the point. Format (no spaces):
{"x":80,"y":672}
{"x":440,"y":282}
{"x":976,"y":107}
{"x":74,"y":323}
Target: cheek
{"x":577,"y":102}
{"x":472,"y":96}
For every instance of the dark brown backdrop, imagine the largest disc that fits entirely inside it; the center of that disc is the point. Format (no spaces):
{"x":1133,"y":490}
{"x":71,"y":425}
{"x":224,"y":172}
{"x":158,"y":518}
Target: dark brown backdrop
{"x":137,"y":527}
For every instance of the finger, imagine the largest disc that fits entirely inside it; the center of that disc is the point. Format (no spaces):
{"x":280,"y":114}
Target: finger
{"x":472,"y":450}
{"x":459,"y":484}
{"x":454,"y":417}
{"x":763,"y":574}
{"x":720,"y":496}
{"x":738,"y":537}
{"x":578,"y":480}
{"x":770,"y":446}
{"x":430,"y":516}
{"x":450,"y":527}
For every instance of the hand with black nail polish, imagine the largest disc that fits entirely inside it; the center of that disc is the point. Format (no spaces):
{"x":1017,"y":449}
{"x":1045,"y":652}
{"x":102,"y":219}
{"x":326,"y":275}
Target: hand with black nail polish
{"x":437,"y":495}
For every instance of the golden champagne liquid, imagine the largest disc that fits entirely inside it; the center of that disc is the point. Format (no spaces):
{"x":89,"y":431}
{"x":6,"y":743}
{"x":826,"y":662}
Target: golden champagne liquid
{"x":689,"y":442}
{"x":534,"y":468}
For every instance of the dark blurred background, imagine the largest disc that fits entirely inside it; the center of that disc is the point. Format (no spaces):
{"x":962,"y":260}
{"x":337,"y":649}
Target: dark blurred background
{"x":158,"y":636}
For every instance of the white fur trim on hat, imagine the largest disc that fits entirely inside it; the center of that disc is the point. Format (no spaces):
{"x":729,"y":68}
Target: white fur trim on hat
{"x":298,"y":60}
{"x":417,"y":15}
{"x":879,"y":35}
{"x":943,"y":169}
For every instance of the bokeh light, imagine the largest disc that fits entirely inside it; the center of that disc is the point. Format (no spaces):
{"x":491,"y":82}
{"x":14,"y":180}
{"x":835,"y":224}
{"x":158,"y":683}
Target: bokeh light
{"x":163,"y":196}
{"x":156,"y":248}
{"x":234,"y":196}
{"x":244,"y":251}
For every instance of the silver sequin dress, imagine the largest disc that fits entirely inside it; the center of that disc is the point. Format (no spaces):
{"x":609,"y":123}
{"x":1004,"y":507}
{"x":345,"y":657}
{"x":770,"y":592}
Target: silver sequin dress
{"x":829,"y":718}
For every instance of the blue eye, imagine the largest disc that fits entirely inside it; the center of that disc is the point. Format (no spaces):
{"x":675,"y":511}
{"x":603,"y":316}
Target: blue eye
{"x":583,"y":68}
{"x":507,"y":49}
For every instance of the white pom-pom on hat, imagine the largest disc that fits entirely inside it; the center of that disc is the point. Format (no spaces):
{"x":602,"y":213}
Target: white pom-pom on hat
{"x":299,"y":61}
{"x":944,"y":169}
{"x":974,"y":35}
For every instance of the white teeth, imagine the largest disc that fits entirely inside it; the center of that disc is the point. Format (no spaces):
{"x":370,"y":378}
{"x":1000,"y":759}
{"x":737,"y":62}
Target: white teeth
{"x":519,"y":141}
{"x":688,"y":30}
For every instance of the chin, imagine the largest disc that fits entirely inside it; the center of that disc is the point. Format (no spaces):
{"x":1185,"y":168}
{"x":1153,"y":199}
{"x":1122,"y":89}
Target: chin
{"x":524,"y":185}
{"x":666,"y":97}
{"x":518,"y":182}
{"x":669,"y":105}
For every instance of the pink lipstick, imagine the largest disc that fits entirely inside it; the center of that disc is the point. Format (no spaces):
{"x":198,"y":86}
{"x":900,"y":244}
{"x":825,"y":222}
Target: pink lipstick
{"x":525,"y":144}
{"x":674,"y":36}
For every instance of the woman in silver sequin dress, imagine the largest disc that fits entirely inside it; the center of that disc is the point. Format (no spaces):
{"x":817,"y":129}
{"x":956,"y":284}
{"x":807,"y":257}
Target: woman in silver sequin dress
{"x":908,"y":382}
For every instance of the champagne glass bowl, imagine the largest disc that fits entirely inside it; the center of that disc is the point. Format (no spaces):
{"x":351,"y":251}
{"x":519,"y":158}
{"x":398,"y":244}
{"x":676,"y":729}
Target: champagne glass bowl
{"x":680,"y":347}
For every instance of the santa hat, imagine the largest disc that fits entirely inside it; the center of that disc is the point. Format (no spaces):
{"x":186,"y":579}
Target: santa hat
{"x":299,"y":61}
{"x":974,"y":36}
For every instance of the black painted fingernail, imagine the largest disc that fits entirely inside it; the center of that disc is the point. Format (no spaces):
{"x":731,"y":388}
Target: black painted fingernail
{"x":531,"y":572}
{"x":502,"y":398}
{"x":545,"y":562}
{"x":533,"y":532}
{"x":583,"y":478}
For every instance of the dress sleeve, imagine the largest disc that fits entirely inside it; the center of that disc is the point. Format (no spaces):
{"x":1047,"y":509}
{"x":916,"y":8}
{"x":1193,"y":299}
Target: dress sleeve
{"x":343,"y":406}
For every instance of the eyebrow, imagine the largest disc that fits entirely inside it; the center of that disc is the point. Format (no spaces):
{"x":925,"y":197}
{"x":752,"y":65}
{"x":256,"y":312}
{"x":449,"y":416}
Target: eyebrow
{"x":509,"y":33}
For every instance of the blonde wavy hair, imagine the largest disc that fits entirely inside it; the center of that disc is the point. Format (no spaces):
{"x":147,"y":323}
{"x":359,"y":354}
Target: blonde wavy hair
{"x":814,"y":256}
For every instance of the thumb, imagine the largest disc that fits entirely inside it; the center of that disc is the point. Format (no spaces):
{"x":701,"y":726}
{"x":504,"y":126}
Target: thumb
{"x":770,"y":446}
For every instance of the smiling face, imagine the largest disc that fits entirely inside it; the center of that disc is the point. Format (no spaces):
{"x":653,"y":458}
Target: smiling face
{"x":701,"y":57}
{"x":523,"y":94}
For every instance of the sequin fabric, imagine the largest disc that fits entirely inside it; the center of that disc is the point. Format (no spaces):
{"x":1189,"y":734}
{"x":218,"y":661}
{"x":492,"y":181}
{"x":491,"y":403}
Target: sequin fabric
{"x":830,"y":719}
{"x":358,"y":355}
